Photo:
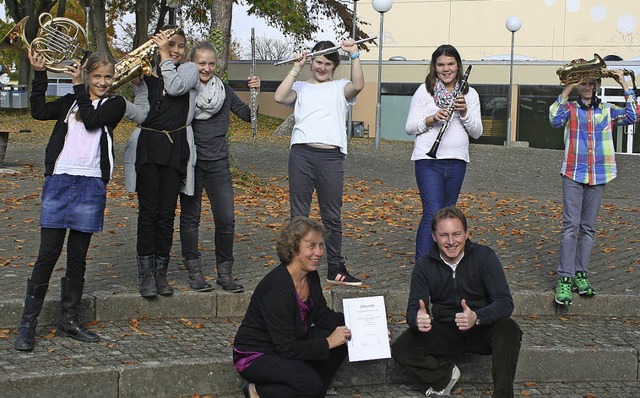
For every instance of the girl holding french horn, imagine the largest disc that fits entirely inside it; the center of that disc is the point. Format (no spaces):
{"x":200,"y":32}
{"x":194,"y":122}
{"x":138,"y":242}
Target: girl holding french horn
{"x":442,"y":98}
{"x":78,"y":166}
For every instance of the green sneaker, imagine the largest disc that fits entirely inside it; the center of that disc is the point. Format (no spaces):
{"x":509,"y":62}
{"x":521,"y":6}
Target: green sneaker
{"x":582,"y":286}
{"x":564,"y":296}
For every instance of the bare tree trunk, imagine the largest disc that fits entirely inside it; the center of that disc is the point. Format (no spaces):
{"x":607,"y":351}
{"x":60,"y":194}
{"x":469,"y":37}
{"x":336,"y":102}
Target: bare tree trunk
{"x":99,"y":27}
{"x":143,"y":9}
{"x":221,"y":13}
{"x":62,"y":8}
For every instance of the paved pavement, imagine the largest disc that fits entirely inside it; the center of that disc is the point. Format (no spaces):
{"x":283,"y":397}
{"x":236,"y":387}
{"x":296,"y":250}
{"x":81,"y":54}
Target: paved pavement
{"x":512,"y":197}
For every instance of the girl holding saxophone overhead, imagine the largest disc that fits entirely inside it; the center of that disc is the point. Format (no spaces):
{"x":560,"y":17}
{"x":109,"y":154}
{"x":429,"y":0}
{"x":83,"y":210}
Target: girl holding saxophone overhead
{"x":589,"y":164}
{"x":440,"y":180}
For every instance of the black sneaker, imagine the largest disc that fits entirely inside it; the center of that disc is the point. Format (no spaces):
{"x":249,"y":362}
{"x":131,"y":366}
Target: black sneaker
{"x":340,"y":276}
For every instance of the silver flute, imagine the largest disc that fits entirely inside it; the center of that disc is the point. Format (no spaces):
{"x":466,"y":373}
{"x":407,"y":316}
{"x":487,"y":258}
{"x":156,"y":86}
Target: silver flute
{"x":253,"y":91}
{"x":325,"y":51}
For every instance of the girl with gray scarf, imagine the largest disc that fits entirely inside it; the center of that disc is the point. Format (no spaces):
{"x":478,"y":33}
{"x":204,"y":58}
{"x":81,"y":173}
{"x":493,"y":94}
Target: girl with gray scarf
{"x":214,"y":101}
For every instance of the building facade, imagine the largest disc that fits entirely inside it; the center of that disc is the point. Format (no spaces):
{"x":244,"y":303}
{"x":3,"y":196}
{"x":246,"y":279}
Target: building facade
{"x":553,"y":33}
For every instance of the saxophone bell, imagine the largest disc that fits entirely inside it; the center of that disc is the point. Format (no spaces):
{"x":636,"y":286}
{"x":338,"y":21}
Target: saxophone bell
{"x":581,"y":69}
{"x":138,"y":62}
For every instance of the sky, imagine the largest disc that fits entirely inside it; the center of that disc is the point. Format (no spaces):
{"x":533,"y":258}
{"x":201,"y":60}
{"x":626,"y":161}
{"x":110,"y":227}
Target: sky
{"x":241,"y":25}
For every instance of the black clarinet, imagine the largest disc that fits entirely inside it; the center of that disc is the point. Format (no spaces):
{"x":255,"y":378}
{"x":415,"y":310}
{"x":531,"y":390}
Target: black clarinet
{"x":450,"y":108}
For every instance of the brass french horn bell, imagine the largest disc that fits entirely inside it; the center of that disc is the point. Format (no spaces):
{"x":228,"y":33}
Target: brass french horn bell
{"x":14,"y":39}
{"x":58,"y":39}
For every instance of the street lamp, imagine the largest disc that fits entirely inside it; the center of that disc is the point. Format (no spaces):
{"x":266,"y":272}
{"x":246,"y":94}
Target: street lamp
{"x":353,"y":36}
{"x":381,"y":6}
{"x":173,"y":5}
{"x":513,"y":25}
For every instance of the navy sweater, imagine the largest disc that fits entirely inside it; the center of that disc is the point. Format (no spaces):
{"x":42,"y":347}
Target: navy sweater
{"x":479,"y":279}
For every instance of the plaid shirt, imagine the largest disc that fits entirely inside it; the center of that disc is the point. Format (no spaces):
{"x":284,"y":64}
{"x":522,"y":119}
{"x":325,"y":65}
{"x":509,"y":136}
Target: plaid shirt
{"x":589,"y":154}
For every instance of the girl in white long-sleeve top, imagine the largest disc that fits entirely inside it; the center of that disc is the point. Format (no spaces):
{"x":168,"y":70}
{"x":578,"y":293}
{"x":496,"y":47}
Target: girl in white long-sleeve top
{"x":440,"y":180}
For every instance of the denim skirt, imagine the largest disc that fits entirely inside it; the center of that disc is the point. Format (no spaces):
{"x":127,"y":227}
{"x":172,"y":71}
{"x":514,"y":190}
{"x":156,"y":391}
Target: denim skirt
{"x":73,"y":202}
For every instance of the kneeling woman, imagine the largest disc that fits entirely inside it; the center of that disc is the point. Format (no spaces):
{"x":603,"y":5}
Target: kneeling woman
{"x":290,"y":343}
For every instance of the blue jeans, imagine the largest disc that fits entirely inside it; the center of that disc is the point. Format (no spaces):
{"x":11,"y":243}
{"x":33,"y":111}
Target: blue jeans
{"x":580,"y":207}
{"x":439,"y":183}
{"x":215,"y":178}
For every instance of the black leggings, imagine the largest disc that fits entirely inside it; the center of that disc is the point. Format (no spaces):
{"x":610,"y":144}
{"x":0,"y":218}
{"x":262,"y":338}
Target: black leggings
{"x":51,"y":242}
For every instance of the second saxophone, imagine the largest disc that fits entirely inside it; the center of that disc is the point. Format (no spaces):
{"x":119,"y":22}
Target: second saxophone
{"x":461,"y":87}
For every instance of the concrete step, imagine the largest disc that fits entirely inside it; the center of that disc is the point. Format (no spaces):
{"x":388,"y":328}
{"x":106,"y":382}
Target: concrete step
{"x":155,"y":357}
{"x":218,"y":304}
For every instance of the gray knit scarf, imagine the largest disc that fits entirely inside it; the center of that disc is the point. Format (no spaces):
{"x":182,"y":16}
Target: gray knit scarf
{"x":209,"y":99}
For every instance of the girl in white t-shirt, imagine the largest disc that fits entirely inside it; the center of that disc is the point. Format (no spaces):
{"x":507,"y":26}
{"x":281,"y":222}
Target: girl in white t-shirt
{"x":319,"y":143}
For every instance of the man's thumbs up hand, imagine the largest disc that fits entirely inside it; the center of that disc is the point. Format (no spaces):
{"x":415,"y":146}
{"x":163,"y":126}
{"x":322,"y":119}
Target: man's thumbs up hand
{"x":423,"y":320}
{"x":466,"y":319}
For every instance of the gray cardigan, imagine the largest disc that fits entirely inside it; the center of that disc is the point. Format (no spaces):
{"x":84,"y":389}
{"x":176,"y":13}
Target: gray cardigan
{"x":173,"y":85}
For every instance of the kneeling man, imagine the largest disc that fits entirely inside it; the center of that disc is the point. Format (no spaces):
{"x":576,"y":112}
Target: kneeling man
{"x":459,"y":302}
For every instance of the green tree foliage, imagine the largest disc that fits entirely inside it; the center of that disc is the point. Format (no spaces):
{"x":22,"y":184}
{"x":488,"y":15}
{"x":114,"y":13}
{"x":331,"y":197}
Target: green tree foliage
{"x":301,"y":18}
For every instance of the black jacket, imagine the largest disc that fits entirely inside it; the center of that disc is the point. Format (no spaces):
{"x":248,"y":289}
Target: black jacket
{"x":273,"y":324}
{"x":479,"y":279}
{"x":106,"y":116}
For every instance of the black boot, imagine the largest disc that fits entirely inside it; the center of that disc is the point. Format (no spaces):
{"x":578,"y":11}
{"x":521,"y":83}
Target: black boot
{"x":147,"y":276}
{"x":33,"y":300}
{"x":196,"y":279}
{"x":68,"y":323}
{"x":161,"y":276}
{"x":225,"y":279}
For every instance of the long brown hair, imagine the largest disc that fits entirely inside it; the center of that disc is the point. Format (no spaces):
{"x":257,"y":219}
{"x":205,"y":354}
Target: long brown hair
{"x":449,"y":51}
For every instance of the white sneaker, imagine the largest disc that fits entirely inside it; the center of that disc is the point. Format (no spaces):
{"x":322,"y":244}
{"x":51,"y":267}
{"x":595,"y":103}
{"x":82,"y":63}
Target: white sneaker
{"x":455,"y":376}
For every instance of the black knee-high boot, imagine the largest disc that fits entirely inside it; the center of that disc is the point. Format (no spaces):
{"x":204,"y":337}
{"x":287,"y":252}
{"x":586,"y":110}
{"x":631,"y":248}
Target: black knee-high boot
{"x":147,"y":276}
{"x":33,"y":301}
{"x":164,"y":289}
{"x":68,"y":324}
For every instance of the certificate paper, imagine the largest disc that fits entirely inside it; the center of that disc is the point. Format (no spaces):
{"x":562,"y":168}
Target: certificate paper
{"x":367,"y":319}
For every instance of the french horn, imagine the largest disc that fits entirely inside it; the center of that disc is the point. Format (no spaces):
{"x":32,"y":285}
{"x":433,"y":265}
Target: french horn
{"x":58,"y":39}
{"x":580,"y":69}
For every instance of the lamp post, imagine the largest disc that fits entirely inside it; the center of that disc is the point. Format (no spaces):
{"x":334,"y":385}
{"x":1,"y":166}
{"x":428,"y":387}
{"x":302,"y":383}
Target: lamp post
{"x":513,"y":24}
{"x":381,"y":6}
{"x":173,"y":5}
{"x":353,"y":36}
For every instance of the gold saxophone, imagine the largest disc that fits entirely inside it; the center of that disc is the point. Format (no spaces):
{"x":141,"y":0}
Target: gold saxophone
{"x":580,"y":69}
{"x":138,"y":62}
